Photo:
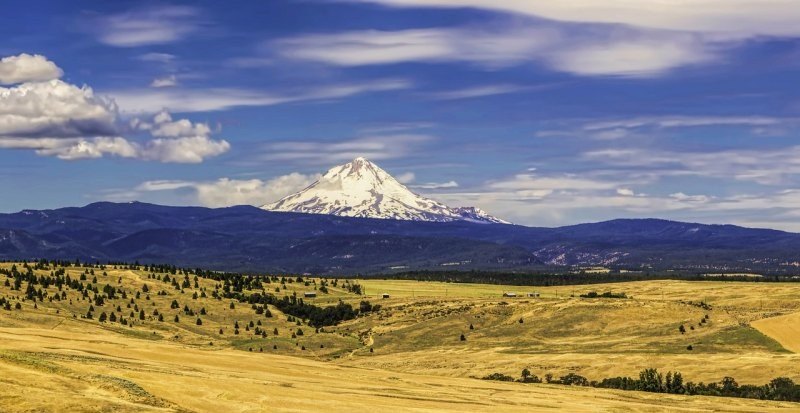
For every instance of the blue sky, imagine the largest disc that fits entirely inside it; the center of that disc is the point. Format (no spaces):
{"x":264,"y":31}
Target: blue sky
{"x":543,"y":113}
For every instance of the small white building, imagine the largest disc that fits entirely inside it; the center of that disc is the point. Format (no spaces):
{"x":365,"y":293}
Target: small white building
{"x":509,"y":294}
{"x":534,"y":295}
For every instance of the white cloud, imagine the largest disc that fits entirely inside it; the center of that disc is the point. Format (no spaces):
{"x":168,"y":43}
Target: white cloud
{"x":205,"y":100}
{"x":27,"y":68}
{"x":479,"y":91}
{"x":166,"y":81}
{"x":194,"y":149}
{"x":683,"y":121}
{"x":54,"y":109}
{"x":406,"y":178}
{"x":599,"y":52}
{"x":226,"y":191}
{"x":55,"y":118}
{"x":163,"y":126}
{"x":320,"y":153}
{"x":371,"y":47}
{"x":680,"y":196}
{"x":89,"y":149}
{"x":560,"y":200}
{"x":633,"y":56}
{"x":157,"y":57}
{"x":436,"y":185}
{"x":156,"y":25}
{"x":532,"y":183}
{"x":763,"y":166}
{"x":739,"y":18}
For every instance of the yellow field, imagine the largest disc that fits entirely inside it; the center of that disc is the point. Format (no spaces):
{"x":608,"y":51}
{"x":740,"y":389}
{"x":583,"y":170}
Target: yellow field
{"x":406,"y":357}
{"x":784,"y":329}
{"x":88,"y":371}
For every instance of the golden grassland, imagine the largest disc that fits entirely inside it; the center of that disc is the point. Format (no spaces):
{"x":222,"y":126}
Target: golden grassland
{"x":784,"y":329}
{"x":596,"y":338}
{"x":54,"y":359}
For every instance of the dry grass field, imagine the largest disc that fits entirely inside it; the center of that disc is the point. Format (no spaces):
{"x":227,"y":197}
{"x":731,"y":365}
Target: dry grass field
{"x":405,"y":357}
{"x":784,"y":329}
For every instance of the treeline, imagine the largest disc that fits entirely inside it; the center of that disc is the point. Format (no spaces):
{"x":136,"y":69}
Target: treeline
{"x":506,"y":278}
{"x":651,"y":380}
{"x":315,"y":316}
{"x":548,"y":279}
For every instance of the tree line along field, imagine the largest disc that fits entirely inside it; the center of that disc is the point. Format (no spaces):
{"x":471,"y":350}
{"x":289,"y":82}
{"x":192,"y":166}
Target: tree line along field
{"x":440,"y":332}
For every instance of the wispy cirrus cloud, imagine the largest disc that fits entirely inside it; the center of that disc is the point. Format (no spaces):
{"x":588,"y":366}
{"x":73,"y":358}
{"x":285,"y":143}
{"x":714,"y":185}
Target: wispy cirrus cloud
{"x":737,"y":18}
{"x":164,"y":81}
{"x":212,"y":99}
{"x":147,"y":26}
{"x":595,"y":51}
{"x":323,"y":153}
{"x":220,"y":192}
{"x":764,"y":166}
{"x":480,"y":91}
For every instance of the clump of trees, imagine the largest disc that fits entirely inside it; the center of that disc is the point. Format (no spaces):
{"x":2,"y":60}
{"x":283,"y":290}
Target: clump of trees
{"x":651,"y":380}
{"x":607,"y":294}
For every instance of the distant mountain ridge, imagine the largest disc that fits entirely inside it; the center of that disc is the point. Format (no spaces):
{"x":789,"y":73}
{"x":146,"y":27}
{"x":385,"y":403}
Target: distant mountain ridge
{"x":245,"y":238}
{"x":362,"y":189}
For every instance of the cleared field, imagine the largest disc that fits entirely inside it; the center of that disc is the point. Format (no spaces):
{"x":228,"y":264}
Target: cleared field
{"x":784,"y":329}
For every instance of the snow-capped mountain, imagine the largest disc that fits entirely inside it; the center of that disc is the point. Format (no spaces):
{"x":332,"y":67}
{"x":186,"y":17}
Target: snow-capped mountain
{"x":475,"y":214}
{"x":362,"y":189}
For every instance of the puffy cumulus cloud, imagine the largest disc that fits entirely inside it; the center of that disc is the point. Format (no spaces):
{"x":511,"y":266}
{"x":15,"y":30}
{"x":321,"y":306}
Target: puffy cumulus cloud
{"x":54,"y":109}
{"x":194,"y":149}
{"x":55,"y":118}
{"x":27,"y":68}
{"x":164,"y":126}
{"x":621,"y":51}
{"x":226,"y":192}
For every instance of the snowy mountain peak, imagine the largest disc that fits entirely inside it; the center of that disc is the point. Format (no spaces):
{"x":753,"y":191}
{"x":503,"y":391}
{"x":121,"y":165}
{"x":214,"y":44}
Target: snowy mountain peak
{"x":476,"y":214}
{"x":361,"y":188}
